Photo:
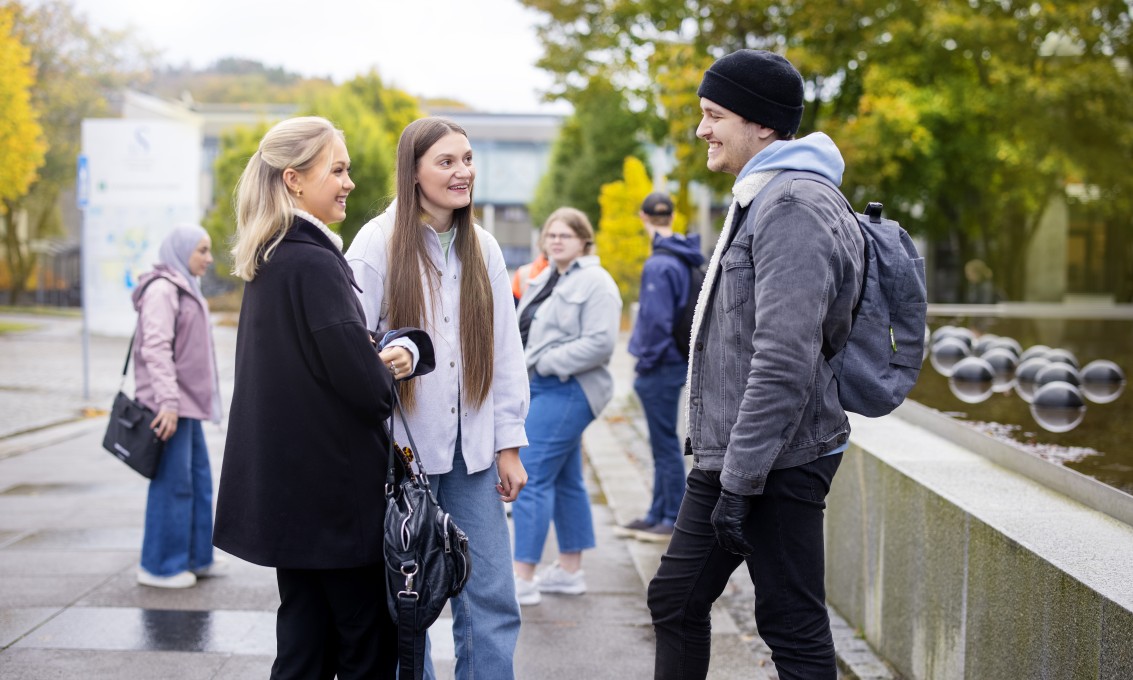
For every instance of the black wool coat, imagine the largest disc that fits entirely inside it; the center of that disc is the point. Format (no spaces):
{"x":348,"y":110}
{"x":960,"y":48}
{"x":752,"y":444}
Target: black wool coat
{"x":301,"y":486}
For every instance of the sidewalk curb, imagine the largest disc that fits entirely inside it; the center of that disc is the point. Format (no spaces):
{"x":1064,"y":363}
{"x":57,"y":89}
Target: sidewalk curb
{"x":29,"y":440}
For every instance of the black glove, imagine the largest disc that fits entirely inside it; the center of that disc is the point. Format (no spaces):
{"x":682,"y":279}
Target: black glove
{"x":728,"y":520}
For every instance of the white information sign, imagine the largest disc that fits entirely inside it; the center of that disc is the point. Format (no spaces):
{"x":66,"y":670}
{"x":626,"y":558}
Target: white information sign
{"x":143,"y":179}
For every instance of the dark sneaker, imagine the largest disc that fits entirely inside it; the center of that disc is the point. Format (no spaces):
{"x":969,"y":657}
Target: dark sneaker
{"x":630,"y":530}
{"x":658,"y":533}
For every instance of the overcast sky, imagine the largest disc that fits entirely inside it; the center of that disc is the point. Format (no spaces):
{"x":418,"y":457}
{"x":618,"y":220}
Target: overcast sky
{"x":482,"y":52}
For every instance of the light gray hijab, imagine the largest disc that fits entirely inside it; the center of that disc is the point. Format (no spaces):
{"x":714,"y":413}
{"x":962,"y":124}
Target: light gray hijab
{"x":176,"y":249}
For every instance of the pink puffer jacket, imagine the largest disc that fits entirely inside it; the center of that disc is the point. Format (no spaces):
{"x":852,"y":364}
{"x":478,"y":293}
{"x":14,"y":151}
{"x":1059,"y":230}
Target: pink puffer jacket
{"x":175,"y":373}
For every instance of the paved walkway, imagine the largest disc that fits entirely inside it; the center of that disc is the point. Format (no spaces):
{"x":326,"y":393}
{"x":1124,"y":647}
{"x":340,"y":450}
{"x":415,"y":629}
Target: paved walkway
{"x":71,"y":525}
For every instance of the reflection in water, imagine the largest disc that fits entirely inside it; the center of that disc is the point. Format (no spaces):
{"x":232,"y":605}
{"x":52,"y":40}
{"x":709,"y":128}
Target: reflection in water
{"x":972,"y":380}
{"x":1058,"y":372}
{"x":1027,"y":377}
{"x":1102,"y":381}
{"x":946,"y":353}
{"x":1034,"y":352}
{"x":1058,"y":407}
{"x":1003,"y":361}
{"x":1063,"y":356}
{"x":168,"y":630}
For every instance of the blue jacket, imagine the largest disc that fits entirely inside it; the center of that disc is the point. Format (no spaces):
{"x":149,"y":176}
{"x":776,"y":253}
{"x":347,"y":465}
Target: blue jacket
{"x":664,"y":292}
{"x":782,"y":284}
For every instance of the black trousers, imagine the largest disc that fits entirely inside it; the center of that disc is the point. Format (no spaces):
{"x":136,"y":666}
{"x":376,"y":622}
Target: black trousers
{"x":787,"y":568}
{"x":334,"y":622}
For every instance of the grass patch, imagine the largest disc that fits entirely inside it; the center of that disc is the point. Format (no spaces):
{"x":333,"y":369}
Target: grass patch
{"x":42,"y":311}
{"x":14,"y":327}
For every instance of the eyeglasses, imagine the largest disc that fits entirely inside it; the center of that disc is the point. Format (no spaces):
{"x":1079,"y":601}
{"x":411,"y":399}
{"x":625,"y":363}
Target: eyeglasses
{"x":560,"y":237}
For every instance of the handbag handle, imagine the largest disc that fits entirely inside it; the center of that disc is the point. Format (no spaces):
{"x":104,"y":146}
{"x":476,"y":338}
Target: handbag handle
{"x":420,"y":474}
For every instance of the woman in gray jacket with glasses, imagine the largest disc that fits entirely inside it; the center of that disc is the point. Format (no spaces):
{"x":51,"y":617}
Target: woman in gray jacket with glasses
{"x":568,"y":321}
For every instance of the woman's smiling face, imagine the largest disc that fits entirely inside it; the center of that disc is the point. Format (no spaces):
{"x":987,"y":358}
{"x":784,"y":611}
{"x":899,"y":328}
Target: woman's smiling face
{"x":327,"y":184}
{"x":445,"y":174}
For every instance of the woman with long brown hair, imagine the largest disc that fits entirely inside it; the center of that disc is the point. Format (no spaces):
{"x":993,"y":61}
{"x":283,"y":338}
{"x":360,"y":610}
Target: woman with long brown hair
{"x":424,"y":263}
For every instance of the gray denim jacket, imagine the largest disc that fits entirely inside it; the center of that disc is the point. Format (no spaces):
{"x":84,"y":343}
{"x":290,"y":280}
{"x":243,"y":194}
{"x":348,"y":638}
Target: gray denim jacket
{"x":761,"y":395}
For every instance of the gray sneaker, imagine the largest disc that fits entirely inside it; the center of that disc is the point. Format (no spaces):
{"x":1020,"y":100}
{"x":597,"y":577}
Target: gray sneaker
{"x":558,"y":580}
{"x":630,"y":530}
{"x":658,"y":533}
{"x":527,"y":592}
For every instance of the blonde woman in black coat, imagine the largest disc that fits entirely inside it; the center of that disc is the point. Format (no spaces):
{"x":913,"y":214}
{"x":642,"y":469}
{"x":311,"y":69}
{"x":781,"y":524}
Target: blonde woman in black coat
{"x":301,"y":483}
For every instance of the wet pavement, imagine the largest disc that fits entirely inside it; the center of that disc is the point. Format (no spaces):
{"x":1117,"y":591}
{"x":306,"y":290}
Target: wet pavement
{"x":71,"y":526}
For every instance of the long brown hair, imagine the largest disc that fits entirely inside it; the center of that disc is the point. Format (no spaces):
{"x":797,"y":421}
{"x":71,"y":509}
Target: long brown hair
{"x":409,"y":265}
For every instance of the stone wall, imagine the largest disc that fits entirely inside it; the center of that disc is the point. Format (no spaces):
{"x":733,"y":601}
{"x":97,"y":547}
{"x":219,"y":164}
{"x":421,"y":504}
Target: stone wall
{"x":954,"y":567}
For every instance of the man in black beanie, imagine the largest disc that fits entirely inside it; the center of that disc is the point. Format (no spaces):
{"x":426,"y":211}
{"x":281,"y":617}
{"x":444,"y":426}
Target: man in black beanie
{"x":765,"y":426}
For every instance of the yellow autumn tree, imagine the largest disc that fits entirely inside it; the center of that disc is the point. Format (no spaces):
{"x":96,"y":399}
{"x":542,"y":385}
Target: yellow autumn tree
{"x":621,"y":240}
{"x":22,"y":146}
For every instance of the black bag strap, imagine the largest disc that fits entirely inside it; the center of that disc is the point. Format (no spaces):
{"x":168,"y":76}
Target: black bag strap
{"x":134,"y":335}
{"x":410,"y":643}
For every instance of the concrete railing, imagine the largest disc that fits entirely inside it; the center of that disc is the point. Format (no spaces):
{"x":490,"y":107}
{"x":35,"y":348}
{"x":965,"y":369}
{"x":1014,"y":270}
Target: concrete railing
{"x":952,"y":566}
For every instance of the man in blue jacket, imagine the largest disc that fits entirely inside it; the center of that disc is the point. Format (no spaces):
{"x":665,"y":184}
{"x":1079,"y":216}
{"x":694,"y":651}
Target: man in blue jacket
{"x":766,"y":429}
{"x":661,"y":365}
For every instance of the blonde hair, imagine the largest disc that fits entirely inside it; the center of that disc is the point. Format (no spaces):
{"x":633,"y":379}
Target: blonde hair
{"x":263,"y":205}
{"x":407,"y":255}
{"x":578,"y":223}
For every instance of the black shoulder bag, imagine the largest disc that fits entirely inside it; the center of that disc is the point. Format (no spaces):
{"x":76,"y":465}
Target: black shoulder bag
{"x":427,"y":556}
{"x":128,"y":434}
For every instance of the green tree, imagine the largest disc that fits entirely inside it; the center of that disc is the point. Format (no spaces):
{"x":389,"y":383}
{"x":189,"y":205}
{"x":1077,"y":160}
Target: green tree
{"x":621,"y":241}
{"x":236,"y":148}
{"x":966,"y":116}
{"x":589,"y":152}
{"x":75,"y":67}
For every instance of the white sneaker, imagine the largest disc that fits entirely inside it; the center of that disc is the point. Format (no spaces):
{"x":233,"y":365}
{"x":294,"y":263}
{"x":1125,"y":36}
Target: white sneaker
{"x":184,"y":579}
{"x":219,"y":566}
{"x":527,"y":592}
{"x":558,"y":580}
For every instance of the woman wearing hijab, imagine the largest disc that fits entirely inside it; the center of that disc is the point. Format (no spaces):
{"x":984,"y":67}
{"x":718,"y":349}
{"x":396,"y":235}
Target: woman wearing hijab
{"x":175,"y":375}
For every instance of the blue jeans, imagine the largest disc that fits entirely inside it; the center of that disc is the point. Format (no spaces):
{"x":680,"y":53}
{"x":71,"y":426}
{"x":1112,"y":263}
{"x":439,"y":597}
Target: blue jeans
{"x":660,"y":393}
{"x":178,"y":533}
{"x":485,"y":616}
{"x":784,"y":525}
{"x":553,"y":460}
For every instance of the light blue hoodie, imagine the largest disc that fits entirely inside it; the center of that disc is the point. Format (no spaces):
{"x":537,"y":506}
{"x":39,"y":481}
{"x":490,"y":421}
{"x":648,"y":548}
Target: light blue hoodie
{"x":815,"y":153}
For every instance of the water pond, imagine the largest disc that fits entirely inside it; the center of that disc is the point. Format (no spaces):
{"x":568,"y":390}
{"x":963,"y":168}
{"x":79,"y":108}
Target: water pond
{"x":1098,"y":427}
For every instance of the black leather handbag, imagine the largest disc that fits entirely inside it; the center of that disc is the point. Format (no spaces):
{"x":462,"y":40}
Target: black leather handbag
{"x":427,"y":556}
{"x":128,"y":434}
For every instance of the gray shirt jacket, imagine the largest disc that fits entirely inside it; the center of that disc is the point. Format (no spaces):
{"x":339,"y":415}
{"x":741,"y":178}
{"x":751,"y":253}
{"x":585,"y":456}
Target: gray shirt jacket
{"x":761,"y":395}
{"x":574,"y":331}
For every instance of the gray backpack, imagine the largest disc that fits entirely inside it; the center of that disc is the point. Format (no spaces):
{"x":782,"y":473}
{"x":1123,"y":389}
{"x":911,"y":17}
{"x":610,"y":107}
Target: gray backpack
{"x":881,"y":360}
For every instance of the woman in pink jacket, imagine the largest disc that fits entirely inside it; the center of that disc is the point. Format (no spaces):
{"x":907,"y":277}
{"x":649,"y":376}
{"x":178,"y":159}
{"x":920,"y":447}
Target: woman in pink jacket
{"x":175,"y":375}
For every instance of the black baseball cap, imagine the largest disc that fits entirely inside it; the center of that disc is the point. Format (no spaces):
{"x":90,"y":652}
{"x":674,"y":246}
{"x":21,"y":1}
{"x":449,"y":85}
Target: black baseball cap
{"x":657,"y":204}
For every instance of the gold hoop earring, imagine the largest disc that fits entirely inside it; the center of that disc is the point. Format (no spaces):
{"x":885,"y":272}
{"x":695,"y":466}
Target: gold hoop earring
{"x":299,"y":193}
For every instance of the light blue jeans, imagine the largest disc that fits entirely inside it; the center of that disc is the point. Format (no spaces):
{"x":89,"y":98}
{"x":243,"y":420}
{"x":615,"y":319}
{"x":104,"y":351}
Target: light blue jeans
{"x":553,"y":460}
{"x":178,"y":533}
{"x":485,"y":616}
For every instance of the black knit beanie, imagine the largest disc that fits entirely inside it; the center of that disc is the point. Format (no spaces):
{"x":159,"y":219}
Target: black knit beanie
{"x":760,"y":86}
